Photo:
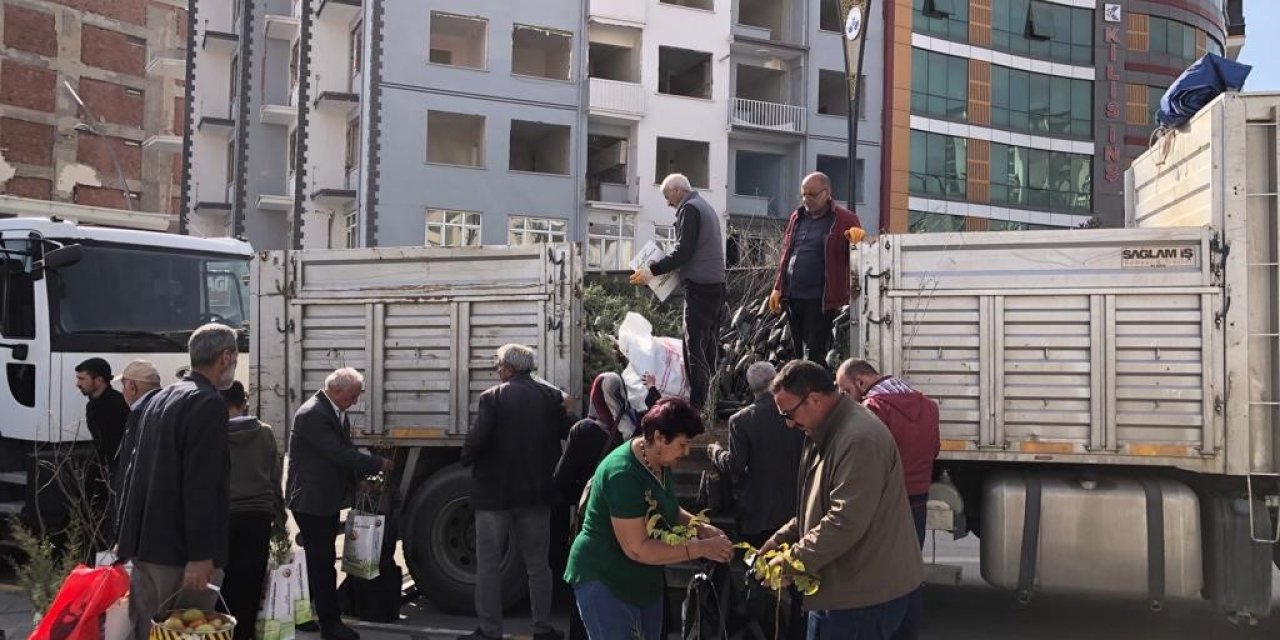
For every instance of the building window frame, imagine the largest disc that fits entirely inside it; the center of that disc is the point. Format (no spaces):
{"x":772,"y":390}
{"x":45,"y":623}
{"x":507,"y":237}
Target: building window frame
{"x":527,"y":230}
{"x":453,"y":228}
{"x":610,"y":241}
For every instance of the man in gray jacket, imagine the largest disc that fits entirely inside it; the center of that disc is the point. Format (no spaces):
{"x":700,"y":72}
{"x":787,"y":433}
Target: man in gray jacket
{"x":853,"y":528}
{"x":324,"y":470}
{"x":699,"y":255}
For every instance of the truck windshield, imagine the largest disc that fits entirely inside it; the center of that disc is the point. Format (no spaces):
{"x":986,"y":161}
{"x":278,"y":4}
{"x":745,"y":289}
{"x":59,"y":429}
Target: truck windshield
{"x":125,"y":298}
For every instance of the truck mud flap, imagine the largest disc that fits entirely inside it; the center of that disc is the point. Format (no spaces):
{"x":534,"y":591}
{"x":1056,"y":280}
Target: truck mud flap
{"x":1237,"y":569}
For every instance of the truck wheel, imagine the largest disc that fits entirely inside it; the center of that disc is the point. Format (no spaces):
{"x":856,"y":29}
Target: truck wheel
{"x":440,"y":545}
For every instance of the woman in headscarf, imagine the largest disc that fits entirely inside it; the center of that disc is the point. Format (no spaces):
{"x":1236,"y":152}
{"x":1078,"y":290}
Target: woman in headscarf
{"x":610,"y":421}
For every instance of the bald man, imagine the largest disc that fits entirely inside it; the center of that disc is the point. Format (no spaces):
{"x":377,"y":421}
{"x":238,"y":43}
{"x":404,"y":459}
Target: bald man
{"x":813,"y":273}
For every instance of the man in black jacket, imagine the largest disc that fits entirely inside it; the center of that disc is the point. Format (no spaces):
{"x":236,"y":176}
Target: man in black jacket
{"x":174,"y":500}
{"x":324,"y":471}
{"x":512,"y":450}
{"x":106,"y":411}
{"x":699,"y":256}
{"x":763,"y":458}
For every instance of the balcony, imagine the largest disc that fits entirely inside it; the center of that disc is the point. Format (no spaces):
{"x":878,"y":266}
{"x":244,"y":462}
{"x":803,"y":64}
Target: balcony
{"x":334,"y":197}
{"x":164,"y":143}
{"x":284,"y":28}
{"x":268,"y":202}
{"x":279,"y":114}
{"x":617,"y":98}
{"x":749,"y":205}
{"x":337,"y":102}
{"x":210,"y":208}
{"x":339,"y":11}
{"x":220,"y":42}
{"x":625,"y":11}
{"x":767,"y":116}
{"x":168,"y":63}
{"x":777,"y":22}
{"x":215,"y":125}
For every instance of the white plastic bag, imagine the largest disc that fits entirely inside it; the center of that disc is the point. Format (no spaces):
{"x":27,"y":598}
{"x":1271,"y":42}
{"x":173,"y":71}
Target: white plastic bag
{"x":362,"y":549}
{"x":115,"y":622}
{"x":661,"y":356}
{"x":276,"y":619}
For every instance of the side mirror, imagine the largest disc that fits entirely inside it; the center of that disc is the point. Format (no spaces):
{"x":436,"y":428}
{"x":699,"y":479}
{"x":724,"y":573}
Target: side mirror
{"x":20,"y":351}
{"x":64,"y":256}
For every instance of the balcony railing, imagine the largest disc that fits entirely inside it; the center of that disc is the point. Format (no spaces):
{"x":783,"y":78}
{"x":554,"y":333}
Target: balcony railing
{"x":772,"y":116}
{"x":749,"y":205}
{"x":626,"y":98}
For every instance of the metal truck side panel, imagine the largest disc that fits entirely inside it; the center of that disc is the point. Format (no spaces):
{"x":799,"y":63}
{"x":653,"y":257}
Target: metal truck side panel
{"x":422,"y":324}
{"x":1093,"y":535}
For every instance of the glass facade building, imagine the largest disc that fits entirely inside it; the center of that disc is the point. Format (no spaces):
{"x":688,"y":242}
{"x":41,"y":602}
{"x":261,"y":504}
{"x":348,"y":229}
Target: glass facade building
{"x":1023,"y":114}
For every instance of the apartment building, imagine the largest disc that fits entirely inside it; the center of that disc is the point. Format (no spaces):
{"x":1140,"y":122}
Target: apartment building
{"x":119,"y":150}
{"x":343,"y":123}
{"x":743,"y":96}
{"x":1024,"y":114}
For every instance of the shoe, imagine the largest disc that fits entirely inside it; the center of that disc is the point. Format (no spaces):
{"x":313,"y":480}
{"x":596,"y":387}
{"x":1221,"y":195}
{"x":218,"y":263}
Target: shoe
{"x":548,"y":635}
{"x":338,"y":631}
{"x":309,"y":627}
{"x":478,"y":635}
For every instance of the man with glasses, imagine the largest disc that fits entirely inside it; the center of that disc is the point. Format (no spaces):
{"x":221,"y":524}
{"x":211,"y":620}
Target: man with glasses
{"x":813,"y":273}
{"x":853,"y":526}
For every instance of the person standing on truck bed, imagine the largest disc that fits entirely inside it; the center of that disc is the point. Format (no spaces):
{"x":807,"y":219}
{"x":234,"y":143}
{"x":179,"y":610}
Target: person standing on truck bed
{"x":699,"y":255}
{"x":912,"y":418}
{"x":762,"y":458}
{"x":813,"y":270}
{"x":324,"y":471}
{"x":174,"y":502}
{"x":512,"y":450}
{"x":853,"y":527}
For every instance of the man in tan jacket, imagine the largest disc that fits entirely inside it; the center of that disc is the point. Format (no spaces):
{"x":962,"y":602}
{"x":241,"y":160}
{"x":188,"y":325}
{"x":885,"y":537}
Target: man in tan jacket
{"x":854,"y":528}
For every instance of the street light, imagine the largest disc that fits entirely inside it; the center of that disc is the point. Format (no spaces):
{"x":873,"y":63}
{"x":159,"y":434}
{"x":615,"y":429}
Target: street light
{"x":90,"y":125}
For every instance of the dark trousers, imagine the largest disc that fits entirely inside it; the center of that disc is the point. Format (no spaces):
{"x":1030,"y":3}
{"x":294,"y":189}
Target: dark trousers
{"x":884,"y":621}
{"x":702,"y":311}
{"x":318,"y":534}
{"x":248,"y":544}
{"x":810,"y":329}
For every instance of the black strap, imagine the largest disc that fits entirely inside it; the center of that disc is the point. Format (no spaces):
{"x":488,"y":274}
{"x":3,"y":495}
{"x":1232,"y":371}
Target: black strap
{"x":1030,"y":539}
{"x":1155,"y":542}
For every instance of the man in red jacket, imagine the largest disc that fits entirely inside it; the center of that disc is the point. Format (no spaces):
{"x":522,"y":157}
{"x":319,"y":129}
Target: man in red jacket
{"x":912,"y":418}
{"x":813,"y":273}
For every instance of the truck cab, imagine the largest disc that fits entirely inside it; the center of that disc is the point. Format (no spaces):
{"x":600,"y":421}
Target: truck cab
{"x":70,"y":292}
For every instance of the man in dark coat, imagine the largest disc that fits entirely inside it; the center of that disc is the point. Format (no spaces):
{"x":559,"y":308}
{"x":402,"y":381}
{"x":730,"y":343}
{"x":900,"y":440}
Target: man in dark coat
{"x":512,"y":450}
{"x":174,"y":496}
{"x":106,"y":411}
{"x":324,"y":471}
{"x":763,"y":458}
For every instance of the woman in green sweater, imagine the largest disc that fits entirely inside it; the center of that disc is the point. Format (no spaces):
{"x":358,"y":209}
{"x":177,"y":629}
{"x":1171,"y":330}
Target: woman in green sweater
{"x":615,"y":567}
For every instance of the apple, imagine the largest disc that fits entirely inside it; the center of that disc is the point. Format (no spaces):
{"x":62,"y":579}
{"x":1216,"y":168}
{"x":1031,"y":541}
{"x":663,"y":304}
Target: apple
{"x":192,"y":615}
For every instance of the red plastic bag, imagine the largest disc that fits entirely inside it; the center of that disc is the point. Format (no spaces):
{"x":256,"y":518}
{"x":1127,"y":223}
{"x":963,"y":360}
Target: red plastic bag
{"x":85,"y":595}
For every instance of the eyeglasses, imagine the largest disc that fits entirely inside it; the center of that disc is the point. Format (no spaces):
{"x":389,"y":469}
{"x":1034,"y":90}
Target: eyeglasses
{"x":787,"y":414}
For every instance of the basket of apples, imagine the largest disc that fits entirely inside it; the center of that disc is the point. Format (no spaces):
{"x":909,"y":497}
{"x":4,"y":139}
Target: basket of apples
{"x":192,"y":624}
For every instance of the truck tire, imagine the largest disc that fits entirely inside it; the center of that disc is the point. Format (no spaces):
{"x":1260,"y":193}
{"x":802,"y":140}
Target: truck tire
{"x":440,"y":545}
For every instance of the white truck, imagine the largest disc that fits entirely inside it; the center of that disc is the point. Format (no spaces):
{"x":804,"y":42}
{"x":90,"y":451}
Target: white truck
{"x":69,"y":292}
{"x":1108,"y":397}
{"x":423,"y":325}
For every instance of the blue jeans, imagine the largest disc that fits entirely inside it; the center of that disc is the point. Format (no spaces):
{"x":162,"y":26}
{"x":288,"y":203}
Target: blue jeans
{"x":608,"y":617}
{"x":884,"y":621}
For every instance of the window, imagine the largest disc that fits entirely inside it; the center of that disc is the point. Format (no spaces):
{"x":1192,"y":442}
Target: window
{"x":939,"y":85}
{"x":1014,"y":225}
{"x":458,"y":41}
{"x":829,"y":16}
{"x":665,"y":237}
{"x":233,"y":89}
{"x":231,"y":168}
{"x":682,"y":72}
{"x":947,"y":19}
{"x":351,"y":157}
{"x":706,"y":5}
{"x":938,"y":165}
{"x":291,"y":152}
{"x":357,"y":50}
{"x":613,"y":62}
{"x":294,"y":62}
{"x":689,"y":157}
{"x":608,"y":169}
{"x":455,"y":138}
{"x":1154,"y":94}
{"x":837,"y":168}
{"x":929,"y":222}
{"x":1037,"y":103}
{"x":17,"y":295}
{"x":833,"y":93}
{"x":350,"y":229}
{"x":1042,"y":30}
{"x":530,"y":230}
{"x":539,"y":148}
{"x":541,"y":53}
{"x":1041,"y":179}
{"x":610,"y":241}
{"x":1173,"y":38}
{"x":447,"y":228}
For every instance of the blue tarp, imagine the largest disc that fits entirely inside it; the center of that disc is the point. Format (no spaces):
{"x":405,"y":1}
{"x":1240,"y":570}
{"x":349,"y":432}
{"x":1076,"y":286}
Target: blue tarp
{"x":1200,"y":83}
